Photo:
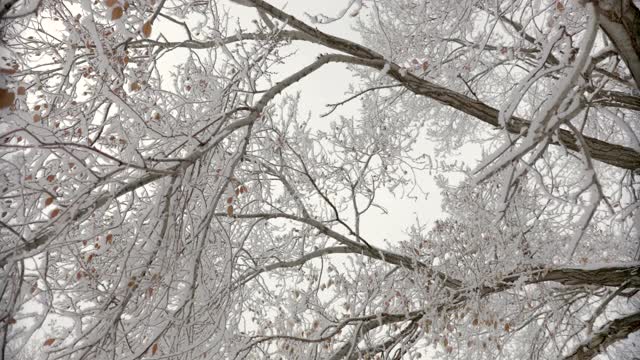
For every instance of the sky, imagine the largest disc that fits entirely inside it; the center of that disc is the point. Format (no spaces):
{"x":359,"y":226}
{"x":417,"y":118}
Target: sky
{"x":330,"y":84}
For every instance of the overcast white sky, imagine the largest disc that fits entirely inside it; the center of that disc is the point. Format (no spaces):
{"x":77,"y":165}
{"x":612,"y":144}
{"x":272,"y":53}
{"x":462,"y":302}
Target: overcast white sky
{"x":330,"y":85}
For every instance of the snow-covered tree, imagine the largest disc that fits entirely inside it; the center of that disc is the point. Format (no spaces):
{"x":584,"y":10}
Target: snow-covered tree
{"x":164,"y":193}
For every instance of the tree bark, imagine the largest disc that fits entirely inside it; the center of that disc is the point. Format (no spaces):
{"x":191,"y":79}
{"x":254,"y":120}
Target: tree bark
{"x":612,"y":154}
{"x":620,"y":20}
{"x":615,"y":330}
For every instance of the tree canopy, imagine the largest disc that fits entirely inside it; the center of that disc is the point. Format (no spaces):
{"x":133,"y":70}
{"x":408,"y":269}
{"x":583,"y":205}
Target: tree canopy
{"x":164,"y":193}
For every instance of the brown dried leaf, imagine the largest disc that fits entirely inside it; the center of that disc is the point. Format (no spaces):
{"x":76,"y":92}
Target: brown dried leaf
{"x":117,"y":13}
{"x":6,"y":98}
{"x":146,"y":29}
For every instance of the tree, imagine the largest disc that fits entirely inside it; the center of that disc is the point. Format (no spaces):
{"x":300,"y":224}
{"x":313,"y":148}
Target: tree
{"x":197,"y":214}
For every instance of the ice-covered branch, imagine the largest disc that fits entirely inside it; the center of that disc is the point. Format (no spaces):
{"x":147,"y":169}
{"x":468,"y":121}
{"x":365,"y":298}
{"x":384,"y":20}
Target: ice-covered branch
{"x":609,"y":334}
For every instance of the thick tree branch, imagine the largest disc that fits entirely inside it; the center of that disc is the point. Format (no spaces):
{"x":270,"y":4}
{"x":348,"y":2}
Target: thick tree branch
{"x":331,"y":41}
{"x":614,"y":331}
{"x":620,"y":20}
{"x":616,"y":99}
{"x":605,"y":275}
{"x":612,"y":154}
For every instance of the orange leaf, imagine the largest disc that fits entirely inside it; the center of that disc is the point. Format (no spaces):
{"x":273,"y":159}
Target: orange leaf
{"x":49,"y":342}
{"x":110,"y":3}
{"x":135,"y":86}
{"x":154,"y":349}
{"x":146,"y":29}
{"x":109,"y":239}
{"x":230,"y":210}
{"x":55,"y":213}
{"x":49,"y":201}
{"x":21,"y":90}
{"x":116,"y":13}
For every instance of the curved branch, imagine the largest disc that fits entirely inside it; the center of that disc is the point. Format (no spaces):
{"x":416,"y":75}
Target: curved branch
{"x":297,"y":262}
